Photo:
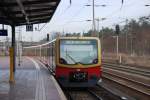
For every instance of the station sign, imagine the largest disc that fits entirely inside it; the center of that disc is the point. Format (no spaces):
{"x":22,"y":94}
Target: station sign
{"x":3,"y":33}
{"x":29,"y":27}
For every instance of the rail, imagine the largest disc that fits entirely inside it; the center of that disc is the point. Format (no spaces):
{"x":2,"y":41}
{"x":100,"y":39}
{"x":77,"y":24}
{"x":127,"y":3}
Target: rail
{"x":93,"y":93}
{"x":129,"y":69}
{"x":128,"y":77}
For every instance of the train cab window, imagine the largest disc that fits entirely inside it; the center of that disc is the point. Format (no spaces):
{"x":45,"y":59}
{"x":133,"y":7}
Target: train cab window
{"x":79,"y":51}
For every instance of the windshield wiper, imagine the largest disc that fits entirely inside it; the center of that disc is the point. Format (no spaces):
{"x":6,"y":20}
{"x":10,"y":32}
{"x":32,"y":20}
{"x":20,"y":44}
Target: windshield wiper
{"x":67,"y":54}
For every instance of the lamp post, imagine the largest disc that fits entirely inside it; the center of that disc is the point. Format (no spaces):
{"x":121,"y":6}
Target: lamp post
{"x":94,"y":34}
{"x":93,"y":13}
{"x":117,"y":32}
{"x":98,"y":26}
{"x":98,"y":20}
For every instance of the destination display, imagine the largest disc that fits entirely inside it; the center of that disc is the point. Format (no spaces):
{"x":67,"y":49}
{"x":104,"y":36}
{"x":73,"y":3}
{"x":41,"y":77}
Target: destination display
{"x":78,"y":42}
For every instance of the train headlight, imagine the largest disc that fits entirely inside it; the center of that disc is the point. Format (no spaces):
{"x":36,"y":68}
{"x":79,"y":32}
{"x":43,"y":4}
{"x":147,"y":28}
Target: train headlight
{"x":95,"y":61}
{"x":78,"y":70}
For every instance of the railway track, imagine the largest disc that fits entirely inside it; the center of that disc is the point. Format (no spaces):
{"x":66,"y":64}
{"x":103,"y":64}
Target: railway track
{"x":136,"y":85}
{"x":110,"y":61}
{"x":125,"y":64}
{"x":128,"y":77}
{"x":81,"y":94}
{"x":129,"y":69}
{"x":94,"y":93}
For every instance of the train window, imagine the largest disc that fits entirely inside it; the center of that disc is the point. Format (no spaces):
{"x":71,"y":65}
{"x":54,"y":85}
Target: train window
{"x":79,"y":51}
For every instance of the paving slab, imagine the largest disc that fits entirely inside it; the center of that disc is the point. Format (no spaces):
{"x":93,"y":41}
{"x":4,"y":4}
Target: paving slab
{"x":32,"y":82}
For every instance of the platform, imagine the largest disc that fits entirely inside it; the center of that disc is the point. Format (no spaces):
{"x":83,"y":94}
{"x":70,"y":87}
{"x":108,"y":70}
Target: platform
{"x":32,"y":82}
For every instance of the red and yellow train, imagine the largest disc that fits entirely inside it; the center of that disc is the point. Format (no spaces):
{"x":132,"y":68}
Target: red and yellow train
{"x":76,"y":61}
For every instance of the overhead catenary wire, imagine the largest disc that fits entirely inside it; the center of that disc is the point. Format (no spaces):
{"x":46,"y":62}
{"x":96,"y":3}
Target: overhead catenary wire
{"x":122,"y":2}
{"x":67,"y":8}
{"x":74,"y":21}
{"x":76,"y":14}
{"x":62,"y":13}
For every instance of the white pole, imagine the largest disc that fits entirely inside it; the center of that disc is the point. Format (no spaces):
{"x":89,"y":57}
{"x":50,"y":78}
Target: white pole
{"x":98,"y":28}
{"x":126,"y":38}
{"x":131,"y":45}
{"x":34,"y":52}
{"x":117,"y":47}
{"x":94,"y":34}
{"x":19,"y":47}
{"x":40,"y":52}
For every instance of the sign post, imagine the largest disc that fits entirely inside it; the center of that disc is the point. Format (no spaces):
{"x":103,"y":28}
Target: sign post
{"x":117,"y":37}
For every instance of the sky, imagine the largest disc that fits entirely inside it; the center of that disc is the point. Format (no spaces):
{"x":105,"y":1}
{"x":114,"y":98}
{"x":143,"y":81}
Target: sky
{"x":72,"y":17}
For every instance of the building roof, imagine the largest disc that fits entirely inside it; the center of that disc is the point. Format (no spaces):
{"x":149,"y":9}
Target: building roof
{"x":22,"y":12}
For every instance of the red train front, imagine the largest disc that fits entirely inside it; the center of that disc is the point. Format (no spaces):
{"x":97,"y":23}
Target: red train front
{"x":78,"y":61}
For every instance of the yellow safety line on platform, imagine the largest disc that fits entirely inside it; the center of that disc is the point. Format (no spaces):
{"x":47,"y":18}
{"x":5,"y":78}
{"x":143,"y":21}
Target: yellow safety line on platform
{"x":61,"y":93}
{"x":40,"y":88}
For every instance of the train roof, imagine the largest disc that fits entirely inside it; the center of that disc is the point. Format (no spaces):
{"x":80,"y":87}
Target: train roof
{"x":61,"y":38}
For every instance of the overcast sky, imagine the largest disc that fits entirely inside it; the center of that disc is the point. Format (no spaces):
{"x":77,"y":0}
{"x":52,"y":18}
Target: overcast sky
{"x":71,"y":18}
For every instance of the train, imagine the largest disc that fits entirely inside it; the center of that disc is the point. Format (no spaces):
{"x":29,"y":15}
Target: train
{"x":74,"y":61}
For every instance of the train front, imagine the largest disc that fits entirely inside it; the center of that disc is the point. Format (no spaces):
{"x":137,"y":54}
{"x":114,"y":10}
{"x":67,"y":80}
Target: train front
{"x":78,"y":62}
